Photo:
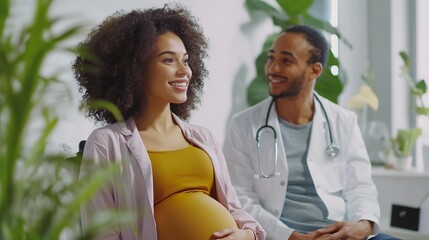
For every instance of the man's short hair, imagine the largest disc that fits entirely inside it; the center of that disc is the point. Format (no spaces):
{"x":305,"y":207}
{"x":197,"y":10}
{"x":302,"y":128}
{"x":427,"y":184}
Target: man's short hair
{"x":316,"y":39}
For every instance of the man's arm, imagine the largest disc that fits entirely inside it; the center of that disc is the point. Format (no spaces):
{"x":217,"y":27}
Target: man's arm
{"x":360,"y":191}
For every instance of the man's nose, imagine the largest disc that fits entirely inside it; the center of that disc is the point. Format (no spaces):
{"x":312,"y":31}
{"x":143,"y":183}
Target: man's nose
{"x":273,"y":67}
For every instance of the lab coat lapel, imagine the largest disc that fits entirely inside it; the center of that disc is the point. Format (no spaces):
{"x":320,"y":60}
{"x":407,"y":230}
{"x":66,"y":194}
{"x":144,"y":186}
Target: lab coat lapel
{"x":318,"y":141}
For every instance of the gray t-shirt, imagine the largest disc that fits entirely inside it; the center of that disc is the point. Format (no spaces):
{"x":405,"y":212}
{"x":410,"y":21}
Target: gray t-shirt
{"x":303,"y":209}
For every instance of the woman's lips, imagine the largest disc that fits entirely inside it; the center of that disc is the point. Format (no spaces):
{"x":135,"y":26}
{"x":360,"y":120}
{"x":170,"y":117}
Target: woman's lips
{"x":179,"y":84}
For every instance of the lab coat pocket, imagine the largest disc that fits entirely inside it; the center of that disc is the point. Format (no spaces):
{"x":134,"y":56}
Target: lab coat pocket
{"x":334,"y":177}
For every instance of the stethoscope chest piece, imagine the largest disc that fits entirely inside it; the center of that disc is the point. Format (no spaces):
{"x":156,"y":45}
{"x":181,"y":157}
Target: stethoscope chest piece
{"x":332,"y":150}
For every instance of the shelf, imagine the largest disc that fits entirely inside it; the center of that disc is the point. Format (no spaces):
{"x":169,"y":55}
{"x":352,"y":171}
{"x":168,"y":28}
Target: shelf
{"x":381,"y":171}
{"x":405,"y":234}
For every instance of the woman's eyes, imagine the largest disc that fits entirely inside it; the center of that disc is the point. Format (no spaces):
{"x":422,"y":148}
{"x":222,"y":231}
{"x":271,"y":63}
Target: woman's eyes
{"x":168,"y":60}
{"x":171,"y":60}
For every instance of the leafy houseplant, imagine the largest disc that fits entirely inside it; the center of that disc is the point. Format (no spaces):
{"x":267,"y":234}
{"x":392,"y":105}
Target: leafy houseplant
{"x":403,"y":143}
{"x":292,"y":13}
{"x":40,"y":195}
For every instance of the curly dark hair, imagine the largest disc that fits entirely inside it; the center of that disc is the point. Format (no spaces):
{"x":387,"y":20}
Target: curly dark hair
{"x":110,"y":62}
{"x":315,"y":38}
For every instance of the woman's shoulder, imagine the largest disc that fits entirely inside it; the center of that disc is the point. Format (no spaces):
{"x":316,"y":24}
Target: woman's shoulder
{"x":197,"y":132}
{"x":198,"y":129}
{"x":105,"y":132}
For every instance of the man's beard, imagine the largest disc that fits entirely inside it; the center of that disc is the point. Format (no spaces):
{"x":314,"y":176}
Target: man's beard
{"x":294,"y":89}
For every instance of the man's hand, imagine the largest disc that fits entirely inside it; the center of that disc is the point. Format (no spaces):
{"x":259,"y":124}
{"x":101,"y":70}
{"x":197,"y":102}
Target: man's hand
{"x":345,"y":231}
{"x":233,"y":233}
{"x":338,"y":231}
{"x":307,"y":236}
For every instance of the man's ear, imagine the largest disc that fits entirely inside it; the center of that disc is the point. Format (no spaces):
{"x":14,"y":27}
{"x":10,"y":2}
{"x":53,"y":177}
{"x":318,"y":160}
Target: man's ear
{"x":316,"y":70}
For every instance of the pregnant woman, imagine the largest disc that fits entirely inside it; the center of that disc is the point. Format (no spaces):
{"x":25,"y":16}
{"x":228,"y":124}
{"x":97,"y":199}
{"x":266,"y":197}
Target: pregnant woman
{"x":173,"y":174}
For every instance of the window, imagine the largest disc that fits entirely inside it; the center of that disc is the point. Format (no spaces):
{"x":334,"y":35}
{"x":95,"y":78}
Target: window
{"x":422,"y":71}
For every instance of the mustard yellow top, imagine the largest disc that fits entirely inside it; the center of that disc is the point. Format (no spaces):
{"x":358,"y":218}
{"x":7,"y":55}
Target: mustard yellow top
{"x":184,"y":206}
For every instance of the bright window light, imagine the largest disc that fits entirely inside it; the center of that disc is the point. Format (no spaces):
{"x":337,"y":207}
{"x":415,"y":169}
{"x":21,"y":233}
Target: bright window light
{"x":334,"y":13}
{"x":334,"y":70}
{"x":334,"y":22}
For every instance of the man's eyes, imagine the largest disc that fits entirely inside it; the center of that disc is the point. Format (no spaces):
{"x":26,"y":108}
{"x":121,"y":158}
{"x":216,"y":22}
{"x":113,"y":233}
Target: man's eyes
{"x":284,"y":60}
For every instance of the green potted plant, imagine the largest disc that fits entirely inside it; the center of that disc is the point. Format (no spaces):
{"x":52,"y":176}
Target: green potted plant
{"x":294,"y":12}
{"x":403,"y":143}
{"x":40,"y":195}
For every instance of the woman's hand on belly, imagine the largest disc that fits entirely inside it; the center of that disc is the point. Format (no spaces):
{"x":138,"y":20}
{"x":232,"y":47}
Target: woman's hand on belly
{"x":233,"y":233}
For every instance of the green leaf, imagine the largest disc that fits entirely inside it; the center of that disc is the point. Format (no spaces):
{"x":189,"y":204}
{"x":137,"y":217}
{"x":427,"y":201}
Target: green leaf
{"x":405,"y":58}
{"x":422,"y":111}
{"x":368,"y":77}
{"x":258,"y":5}
{"x":67,"y":34}
{"x":104,"y":221}
{"x":421,"y":85}
{"x":328,"y":85}
{"x":404,"y":141}
{"x":36,"y":152}
{"x":103,"y":104}
{"x":294,"y":8}
{"x":24,"y":213}
{"x":257,"y":91}
{"x":309,"y":20}
{"x":261,"y":60}
{"x":86,"y":190}
{"x":4,"y":13}
{"x":258,"y":88}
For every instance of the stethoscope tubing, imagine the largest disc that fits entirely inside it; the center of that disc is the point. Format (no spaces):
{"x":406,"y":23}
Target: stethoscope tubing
{"x":332,"y":150}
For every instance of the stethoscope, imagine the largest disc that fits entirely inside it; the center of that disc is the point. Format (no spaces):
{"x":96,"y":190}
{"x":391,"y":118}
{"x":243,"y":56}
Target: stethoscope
{"x":332,"y":150}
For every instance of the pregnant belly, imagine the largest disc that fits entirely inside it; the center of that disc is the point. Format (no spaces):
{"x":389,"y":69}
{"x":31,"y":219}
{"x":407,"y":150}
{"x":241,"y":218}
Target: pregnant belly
{"x":191,"y":216}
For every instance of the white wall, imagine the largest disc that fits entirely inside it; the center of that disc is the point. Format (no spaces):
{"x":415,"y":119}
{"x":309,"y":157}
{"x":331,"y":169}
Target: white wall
{"x":352,"y":22}
{"x":235,"y":40}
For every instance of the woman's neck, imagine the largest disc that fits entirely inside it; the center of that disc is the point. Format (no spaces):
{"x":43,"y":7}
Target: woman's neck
{"x":155,"y":118}
{"x":158,"y":130}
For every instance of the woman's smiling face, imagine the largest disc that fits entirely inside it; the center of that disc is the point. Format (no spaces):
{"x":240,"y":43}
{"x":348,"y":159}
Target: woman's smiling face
{"x":168,"y":71}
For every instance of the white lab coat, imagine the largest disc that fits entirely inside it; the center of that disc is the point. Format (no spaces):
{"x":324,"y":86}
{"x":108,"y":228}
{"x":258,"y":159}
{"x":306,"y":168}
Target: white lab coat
{"x":344,"y":184}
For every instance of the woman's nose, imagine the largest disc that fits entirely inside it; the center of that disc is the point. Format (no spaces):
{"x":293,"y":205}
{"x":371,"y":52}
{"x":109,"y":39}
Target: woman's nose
{"x":184,"y":70}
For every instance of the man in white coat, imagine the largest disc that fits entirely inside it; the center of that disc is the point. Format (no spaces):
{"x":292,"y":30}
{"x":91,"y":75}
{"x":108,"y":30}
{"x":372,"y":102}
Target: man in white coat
{"x":317,"y":184}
